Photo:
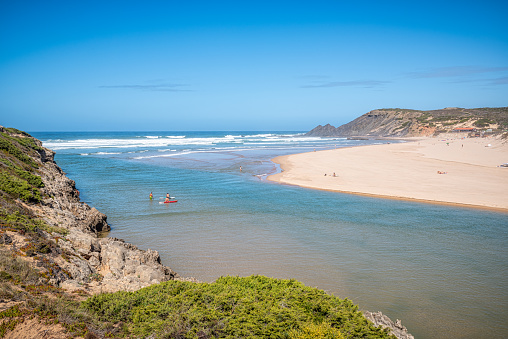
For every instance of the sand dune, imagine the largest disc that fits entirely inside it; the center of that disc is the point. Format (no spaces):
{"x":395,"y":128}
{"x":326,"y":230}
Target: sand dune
{"x":408,"y":171}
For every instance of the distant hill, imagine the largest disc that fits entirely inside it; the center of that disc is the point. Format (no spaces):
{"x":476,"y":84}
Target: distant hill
{"x":397,"y":122}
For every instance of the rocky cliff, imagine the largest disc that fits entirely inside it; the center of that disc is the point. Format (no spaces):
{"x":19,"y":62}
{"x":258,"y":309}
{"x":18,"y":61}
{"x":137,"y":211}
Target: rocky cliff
{"x":398,"y":122}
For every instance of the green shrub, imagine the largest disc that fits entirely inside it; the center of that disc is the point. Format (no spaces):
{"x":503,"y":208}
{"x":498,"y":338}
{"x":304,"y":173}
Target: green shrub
{"x":313,"y":331}
{"x":32,"y":179}
{"x":484,"y":122}
{"x":10,"y":148}
{"x":16,"y":131}
{"x":252,"y":307}
{"x":23,"y":222}
{"x":19,"y":188}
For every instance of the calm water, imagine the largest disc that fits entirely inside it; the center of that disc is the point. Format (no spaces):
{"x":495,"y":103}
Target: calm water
{"x":442,"y":270}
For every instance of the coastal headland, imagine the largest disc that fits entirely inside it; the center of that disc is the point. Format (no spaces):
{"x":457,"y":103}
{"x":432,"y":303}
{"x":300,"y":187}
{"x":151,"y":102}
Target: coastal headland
{"x":446,"y":169}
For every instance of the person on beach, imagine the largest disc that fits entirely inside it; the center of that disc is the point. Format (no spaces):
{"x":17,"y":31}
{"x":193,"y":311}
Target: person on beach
{"x":151,"y":196}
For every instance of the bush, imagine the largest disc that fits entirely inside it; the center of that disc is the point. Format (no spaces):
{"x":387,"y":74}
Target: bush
{"x":32,"y":179}
{"x":252,"y":307}
{"x":19,"y":188}
{"x":483,"y":122}
{"x":27,"y":223}
{"x":10,"y":148}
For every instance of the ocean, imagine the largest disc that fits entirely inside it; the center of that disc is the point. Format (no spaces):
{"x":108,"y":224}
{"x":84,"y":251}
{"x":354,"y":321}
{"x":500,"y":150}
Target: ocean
{"x":442,"y":270}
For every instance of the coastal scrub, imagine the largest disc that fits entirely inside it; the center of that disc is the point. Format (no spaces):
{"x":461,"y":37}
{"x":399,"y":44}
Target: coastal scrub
{"x":250,"y":307}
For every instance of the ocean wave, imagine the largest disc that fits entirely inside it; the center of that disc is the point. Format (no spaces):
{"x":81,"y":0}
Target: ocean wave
{"x":140,"y":151}
{"x":158,"y":142}
{"x":129,"y":143}
{"x":187,"y":152}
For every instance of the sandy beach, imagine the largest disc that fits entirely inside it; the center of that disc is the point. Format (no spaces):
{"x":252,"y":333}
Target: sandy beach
{"x":470,"y":166}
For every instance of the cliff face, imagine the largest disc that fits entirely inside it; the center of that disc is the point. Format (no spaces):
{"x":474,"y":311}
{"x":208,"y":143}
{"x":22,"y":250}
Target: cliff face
{"x":413,"y":123}
{"x":44,"y":221}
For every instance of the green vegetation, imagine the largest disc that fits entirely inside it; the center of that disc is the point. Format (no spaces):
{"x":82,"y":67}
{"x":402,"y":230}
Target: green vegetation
{"x":17,"y":131}
{"x":25,"y":223}
{"x":18,"y":177}
{"x":9,"y":145}
{"x":445,"y":118}
{"x":19,"y":281}
{"x":483,"y":122}
{"x":232,"y":307}
{"x":19,"y":188}
{"x":423,"y":118}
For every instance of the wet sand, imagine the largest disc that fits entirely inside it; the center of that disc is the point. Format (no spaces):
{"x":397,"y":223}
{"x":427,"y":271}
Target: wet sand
{"x":471,"y":173}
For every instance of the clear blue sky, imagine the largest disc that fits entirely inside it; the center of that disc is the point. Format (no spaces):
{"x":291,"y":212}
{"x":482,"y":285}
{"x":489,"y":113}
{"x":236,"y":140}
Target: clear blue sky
{"x":243,"y":65}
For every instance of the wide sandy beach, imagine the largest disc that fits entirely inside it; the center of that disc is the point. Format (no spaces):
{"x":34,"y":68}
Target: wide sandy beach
{"x":408,"y":171}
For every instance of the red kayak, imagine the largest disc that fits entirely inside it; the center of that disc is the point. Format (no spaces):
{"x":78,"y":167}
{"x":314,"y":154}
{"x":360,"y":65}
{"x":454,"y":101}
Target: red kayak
{"x":167,"y":202}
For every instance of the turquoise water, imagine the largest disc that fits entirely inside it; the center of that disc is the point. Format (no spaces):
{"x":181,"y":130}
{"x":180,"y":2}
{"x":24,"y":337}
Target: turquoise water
{"x":442,"y":270}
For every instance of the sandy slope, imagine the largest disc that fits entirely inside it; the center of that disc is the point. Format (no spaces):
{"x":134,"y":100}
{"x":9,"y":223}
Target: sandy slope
{"x":408,"y":171}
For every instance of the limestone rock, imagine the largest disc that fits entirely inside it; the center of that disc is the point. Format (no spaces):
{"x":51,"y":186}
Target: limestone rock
{"x":396,"y":328}
{"x":84,"y":241}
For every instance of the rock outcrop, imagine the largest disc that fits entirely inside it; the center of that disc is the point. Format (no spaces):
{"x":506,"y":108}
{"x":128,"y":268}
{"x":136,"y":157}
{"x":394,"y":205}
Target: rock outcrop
{"x":413,"y":123}
{"x":396,"y":328}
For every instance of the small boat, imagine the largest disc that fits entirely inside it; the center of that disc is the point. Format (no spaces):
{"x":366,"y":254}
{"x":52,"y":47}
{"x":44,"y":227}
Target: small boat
{"x":167,"y":202}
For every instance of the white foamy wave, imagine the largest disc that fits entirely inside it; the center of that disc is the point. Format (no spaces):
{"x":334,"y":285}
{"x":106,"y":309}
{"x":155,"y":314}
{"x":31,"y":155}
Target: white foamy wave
{"x":142,"y":151}
{"x":187,"y":152}
{"x":259,"y":135}
{"x":131,"y":143}
{"x":158,"y":142}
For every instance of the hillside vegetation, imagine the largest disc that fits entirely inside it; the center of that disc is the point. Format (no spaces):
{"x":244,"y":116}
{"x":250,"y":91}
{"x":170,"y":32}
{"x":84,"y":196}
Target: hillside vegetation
{"x":397,"y":122}
{"x":233,"y":307}
{"x":38,"y":256}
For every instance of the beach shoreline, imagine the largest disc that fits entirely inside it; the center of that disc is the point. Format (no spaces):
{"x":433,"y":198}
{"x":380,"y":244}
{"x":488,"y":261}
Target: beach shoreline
{"x":470,"y":176}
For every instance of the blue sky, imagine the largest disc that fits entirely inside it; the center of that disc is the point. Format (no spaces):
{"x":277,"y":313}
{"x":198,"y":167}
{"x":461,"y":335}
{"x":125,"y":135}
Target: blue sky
{"x":243,"y":65}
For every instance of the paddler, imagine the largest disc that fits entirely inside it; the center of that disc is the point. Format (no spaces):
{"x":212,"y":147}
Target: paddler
{"x":167,"y":198}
